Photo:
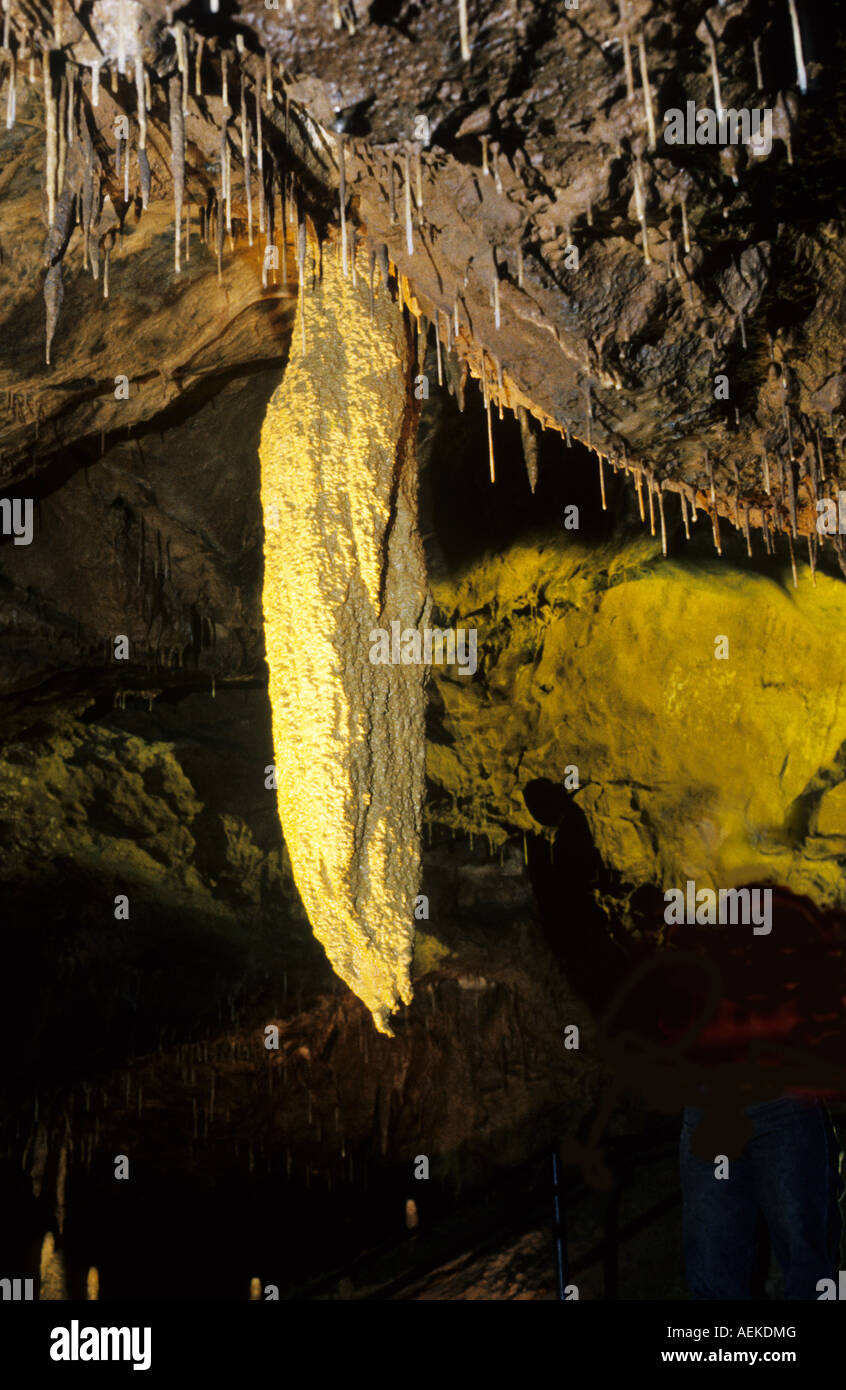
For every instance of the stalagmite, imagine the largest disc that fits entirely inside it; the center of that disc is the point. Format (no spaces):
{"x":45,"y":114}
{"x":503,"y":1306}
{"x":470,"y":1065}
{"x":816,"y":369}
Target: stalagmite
{"x":349,"y":732}
{"x":647,"y":92}
{"x":177,"y":161}
{"x":801,"y":73}
{"x":409,"y":235}
{"x":52,"y":1281}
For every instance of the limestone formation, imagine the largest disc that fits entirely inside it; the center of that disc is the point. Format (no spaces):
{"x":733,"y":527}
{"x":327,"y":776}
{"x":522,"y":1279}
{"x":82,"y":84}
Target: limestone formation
{"x":342,"y":558}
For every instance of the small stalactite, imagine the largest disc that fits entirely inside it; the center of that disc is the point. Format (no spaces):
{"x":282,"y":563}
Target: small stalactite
{"x":463,"y":32}
{"x":640,"y":205}
{"x":342,"y":202}
{"x":530,"y":446}
{"x":12,"y":92}
{"x":177,"y":162}
{"x":198,"y":65}
{"x":660,"y":492}
{"x":627,"y":51}
{"x":715,"y":70}
{"x":259,"y":156}
{"x":245,"y":159}
{"x":179,"y":34}
{"x":647,"y":92}
{"x":219,"y":204}
{"x":487,"y":405}
{"x":638,"y":475}
{"x":801,"y":72}
{"x":685,"y":522}
{"x":793,"y":561}
{"x":756,"y":54}
{"x":409,"y":232}
{"x":51,"y":138}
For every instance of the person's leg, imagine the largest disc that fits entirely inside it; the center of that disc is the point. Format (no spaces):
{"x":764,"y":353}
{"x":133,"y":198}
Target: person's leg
{"x":793,"y":1156}
{"x":720,"y":1222}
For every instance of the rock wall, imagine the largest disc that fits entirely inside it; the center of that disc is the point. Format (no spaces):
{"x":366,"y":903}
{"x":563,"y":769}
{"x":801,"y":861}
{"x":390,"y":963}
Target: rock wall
{"x":690,"y":764}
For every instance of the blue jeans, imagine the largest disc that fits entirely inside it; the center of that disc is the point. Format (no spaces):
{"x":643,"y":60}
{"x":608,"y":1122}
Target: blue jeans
{"x":785,"y":1178}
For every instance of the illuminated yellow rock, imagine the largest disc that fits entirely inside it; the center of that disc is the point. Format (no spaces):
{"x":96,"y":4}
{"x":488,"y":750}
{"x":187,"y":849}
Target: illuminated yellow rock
{"x":343,"y":556}
{"x":603,"y":657}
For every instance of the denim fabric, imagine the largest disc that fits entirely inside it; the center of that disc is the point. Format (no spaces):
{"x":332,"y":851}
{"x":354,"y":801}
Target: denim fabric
{"x":786,"y":1179}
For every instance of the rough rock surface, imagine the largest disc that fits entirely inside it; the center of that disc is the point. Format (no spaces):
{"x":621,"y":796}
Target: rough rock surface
{"x":725,"y":771}
{"x":343,"y":557}
{"x":695,"y":261}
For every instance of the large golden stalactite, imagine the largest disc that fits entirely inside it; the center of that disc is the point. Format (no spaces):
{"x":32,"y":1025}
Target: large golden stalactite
{"x":343,"y":556}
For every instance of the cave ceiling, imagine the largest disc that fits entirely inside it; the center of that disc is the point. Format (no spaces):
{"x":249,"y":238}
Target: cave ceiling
{"x":698,"y":343}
